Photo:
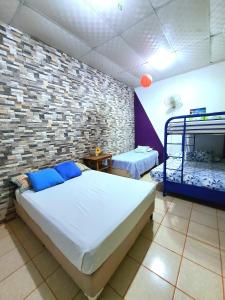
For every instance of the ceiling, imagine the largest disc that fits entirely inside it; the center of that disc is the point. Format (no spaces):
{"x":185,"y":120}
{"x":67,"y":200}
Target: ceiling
{"x":118,"y":38}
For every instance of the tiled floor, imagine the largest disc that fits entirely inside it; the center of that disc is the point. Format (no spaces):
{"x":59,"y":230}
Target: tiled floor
{"x":179,"y":255}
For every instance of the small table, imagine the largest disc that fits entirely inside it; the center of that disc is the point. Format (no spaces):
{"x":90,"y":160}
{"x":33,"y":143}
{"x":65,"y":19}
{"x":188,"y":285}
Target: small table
{"x":95,"y":162}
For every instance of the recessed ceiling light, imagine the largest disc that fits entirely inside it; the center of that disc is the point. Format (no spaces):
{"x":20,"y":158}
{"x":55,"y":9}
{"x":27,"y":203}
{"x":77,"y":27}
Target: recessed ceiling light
{"x":162,"y":59}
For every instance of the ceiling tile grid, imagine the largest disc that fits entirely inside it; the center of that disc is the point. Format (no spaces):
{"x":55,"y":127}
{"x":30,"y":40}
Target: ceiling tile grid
{"x":131,"y":12}
{"x":218,"y":48}
{"x":102,"y":63}
{"x":185,"y":22}
{"x":8,"y":9}
{"x":217,"y":16}
{"x":41,"y":28}
{"x":118,"y":37}
{"x":146,"y":37}
{"x":76,"y":16}
{"x":118,"y":51}
{"x":194,"y":56}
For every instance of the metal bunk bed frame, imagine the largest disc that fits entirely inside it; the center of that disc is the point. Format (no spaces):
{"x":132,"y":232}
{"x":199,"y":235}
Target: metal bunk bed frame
{"x":202,"y":193}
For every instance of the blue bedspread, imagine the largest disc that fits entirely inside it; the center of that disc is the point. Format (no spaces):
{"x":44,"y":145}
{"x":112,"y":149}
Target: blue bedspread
{"x":135,"y":163}
{"x":210,"y":175}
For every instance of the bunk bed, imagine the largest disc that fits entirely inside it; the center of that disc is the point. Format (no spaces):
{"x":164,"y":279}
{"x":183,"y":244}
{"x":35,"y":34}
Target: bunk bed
{"x":191,"y":172}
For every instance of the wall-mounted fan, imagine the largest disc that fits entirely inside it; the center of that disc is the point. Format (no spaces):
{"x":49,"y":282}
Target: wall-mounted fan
{"x":172,"y":103}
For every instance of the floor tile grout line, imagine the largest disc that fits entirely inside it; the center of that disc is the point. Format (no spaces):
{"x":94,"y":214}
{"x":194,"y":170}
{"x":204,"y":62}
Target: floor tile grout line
{"x":34,"y":267}
{"x":192,"y":237}
{"x":160,"y":275}
{"x":174,"y":214}
{"x":183,"y":251}
{"x":139,"y":262}
{"x":14,"y":271}
{"x":221,"y":262}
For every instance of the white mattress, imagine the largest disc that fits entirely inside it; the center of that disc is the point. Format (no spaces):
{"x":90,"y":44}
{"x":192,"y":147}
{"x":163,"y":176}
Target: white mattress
{"x":198,"y":126}
{"x":89,"y":216}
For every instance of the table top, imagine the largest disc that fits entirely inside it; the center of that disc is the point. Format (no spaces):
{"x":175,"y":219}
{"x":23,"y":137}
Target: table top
{"x":99,"y":157}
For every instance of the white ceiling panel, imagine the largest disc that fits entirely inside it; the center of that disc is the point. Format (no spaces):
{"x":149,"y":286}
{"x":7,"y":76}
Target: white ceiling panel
{"x":158,"y":3}
{"x":39,"y":27}
{"x":100,"y":62}
{"x":76,"y":16}
{"x":119,"y":52}
{"x":128,"y":78}
{"x":218,"y":48}
{"x":146,"y":37}
{"x":8,"y":9}
{"x":145,"y":68}
{"x":120,"y":18}
{"x":195,"y":56}
{"x":185,"y":22}
{"x":217,"y":16}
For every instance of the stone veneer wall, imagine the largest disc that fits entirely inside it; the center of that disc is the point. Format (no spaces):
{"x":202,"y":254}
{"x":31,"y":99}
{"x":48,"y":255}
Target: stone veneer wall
{"x":54,"y":107}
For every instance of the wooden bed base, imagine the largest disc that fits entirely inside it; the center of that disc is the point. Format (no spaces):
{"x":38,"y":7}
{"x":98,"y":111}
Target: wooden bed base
{"x":120,"y":172}
{"x":92,"y":284}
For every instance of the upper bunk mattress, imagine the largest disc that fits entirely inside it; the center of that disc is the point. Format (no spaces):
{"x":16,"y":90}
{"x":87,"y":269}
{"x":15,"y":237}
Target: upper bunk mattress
{"x":135,"y":163}
{"x":89,"y":216}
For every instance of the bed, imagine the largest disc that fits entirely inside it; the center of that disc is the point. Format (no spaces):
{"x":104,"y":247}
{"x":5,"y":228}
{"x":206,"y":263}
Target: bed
{"x":203,"y":174}
{"x":88,"y":224}
{"x":133,"y":164}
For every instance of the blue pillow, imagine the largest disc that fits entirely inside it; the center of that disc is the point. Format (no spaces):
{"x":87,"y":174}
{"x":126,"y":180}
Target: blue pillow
{"x":44,"y":179}
{"x":68,"y":170}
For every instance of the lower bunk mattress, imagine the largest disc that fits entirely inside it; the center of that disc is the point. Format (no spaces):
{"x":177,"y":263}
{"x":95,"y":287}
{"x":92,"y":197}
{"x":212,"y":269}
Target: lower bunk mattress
{"x":89,"y":216}
{"x":203,"y":174}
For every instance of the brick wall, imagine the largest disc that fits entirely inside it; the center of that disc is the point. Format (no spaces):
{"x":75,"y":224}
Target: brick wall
{"x":53,"y":108}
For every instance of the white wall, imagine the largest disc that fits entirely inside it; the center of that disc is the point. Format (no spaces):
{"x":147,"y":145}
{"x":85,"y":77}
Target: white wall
{"x":200,"y":88}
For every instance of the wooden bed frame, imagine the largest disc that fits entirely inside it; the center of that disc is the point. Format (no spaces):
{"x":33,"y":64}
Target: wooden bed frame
{"x":92,"y":284}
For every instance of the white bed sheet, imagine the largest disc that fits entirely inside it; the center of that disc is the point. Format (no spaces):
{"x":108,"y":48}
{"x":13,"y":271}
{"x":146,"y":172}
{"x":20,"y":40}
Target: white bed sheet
{"x":89,"y":216}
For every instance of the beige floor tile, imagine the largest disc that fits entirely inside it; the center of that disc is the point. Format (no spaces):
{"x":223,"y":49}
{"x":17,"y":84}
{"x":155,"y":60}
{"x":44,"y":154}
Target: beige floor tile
{"x":203,"y":254}
{"x":11,"y":261}
{"x":170,"y":239}
{"x":159,"y":195}
{"x":204,"y":209}
{"x":19,"y":284}
{"x":204,"y":219}
{"x":109,"y":294}
{"x":175,"y":222}
{"x":21,"y":230}
{"x":33,"y":246}
{"x":180,"y":211}
{"x":150,"y":230}
{"x":181,"y":202}
{"x":8,"y":243}
{"x":198,"y":282}
{"x":158,"y":216}
{"x":223,"y":262}
{"x":41,"y":293}
{"x":45,"y":263}
{"x":179,"y":295}
{"x":163,"y":262}
{"x":221,"y":223}
{"x":148,"y":286}
{"x":4,"y":230}
{"x":80,"y":296}
{"x":222,"y":240}
{"x":16,"y":224}
{"x":62,"y":285}
{"x":140,"y":248}
{"x":124,"y":275}
{"x":203,"y":233}
{"x":161,"y":205}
